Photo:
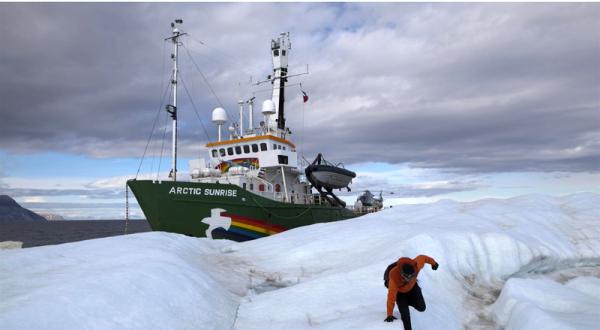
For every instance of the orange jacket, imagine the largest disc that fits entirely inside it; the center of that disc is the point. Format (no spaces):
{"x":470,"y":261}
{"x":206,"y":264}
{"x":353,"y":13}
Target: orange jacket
{"x":398,"y":284}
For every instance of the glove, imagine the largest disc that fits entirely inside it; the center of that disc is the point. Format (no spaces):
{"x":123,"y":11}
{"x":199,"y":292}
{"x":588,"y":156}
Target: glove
{"x":435,"y":267}
{"x":390,"y":319}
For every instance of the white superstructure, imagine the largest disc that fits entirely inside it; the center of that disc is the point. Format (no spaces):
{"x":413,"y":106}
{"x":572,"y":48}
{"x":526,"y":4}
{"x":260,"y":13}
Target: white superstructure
{"x":259,"y":159}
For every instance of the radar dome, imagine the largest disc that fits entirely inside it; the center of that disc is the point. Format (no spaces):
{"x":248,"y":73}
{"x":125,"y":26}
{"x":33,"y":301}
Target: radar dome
{"x":219,"y":116}
{"x":268,"y":107}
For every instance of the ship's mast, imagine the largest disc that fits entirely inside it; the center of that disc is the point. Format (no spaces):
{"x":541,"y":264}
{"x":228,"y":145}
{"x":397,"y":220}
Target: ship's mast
{"x":279,"y":53}
{"x":172,"y":108}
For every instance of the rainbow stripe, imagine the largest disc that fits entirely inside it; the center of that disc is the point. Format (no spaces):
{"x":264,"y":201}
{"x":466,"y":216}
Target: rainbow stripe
{"x":252,"y":227}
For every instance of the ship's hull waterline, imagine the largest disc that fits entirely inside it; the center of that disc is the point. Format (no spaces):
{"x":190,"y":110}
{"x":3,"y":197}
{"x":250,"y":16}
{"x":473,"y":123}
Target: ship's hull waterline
{"x":223,"y":210}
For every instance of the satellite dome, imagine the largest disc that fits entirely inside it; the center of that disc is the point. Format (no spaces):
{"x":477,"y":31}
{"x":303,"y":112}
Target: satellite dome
{"x":268,"y":107}
{"x":219,"y":116}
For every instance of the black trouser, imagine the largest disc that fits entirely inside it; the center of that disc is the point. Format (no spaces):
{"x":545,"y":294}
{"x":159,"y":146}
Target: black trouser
{"x":412,"y":298}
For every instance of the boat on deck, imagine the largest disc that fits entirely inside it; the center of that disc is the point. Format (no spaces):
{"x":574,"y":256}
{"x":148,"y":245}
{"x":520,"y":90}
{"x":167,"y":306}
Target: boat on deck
{"x":329,"y":176}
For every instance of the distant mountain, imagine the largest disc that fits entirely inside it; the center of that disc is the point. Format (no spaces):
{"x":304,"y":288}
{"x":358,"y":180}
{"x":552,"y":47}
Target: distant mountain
{"x":12,"y":211}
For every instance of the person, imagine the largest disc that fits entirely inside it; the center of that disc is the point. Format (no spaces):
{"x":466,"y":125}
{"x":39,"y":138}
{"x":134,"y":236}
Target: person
{"x":401,"y":280}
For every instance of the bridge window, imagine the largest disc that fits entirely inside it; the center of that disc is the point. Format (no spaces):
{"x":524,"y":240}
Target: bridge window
{"x":222,"y":152}
{"x":230,"y":151}
{"x":246,"y":148}
{"x":277,"y":187}
{"x":244,"y":185}
{"x":252,"y":186}
{"x":254,"y":147}
{"x":261,"y":187}
{"x":238,"y":150}
{"x":282,"y":159}
{"x":283,"y":52}
{"x":214,"y":153}
{"x":283,"y":147}
{"x":276,"y":52}
{"x":263,"y":147}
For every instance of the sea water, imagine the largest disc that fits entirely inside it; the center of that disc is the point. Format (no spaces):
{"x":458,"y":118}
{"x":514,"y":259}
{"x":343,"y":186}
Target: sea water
{"x":57,"y":232}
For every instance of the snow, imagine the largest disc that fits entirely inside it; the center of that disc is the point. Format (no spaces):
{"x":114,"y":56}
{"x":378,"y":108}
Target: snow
{"x":529,"y":262}
{"x":530,"y":303}
{"x":137,"y":281}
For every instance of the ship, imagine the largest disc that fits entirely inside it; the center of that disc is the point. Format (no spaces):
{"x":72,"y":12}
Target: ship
{"x":251,"y":185}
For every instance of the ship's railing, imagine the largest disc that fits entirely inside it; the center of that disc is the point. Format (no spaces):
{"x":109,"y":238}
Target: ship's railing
{"x":296,"y":198}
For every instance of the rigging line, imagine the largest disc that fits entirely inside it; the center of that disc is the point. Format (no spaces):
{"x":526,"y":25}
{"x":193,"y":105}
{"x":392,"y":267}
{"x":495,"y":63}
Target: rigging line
{"x":194,"y":106}
{"x":162,"y":85}
{"x":152,"y":131}
{"x":206,"y":82}
{"x":126,"y":208}
{"x":302,"y":132}
{"x":167,"y":95}
{"x":232,"y":59}
{"x":162,"y":149}
{"x":162,"y":72}
{"x":240,"y":67}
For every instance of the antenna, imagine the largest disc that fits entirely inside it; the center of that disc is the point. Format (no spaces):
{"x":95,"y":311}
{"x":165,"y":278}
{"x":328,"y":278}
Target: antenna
{"x":241,"y":103}
{"x":251,"y":113}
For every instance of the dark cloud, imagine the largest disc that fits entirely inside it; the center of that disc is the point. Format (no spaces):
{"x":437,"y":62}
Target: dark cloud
{"x":466,"y":87}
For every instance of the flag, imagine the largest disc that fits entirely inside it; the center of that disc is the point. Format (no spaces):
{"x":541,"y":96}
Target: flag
{"x":304,"y":96}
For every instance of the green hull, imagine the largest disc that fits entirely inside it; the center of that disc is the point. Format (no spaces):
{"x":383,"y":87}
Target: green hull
{"x":232,"y":212}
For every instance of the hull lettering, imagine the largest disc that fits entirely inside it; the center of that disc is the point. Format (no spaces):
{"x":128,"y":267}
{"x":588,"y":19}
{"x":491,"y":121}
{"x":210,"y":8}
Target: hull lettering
{"x":200,"y":192}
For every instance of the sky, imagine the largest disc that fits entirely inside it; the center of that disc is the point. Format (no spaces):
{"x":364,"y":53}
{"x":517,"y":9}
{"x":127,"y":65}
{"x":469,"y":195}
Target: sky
{"x":423,"y":101}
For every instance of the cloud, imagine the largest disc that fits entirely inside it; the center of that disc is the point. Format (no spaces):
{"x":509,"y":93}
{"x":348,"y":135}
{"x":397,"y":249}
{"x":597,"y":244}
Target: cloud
{"x":394,"y":184}
{"x":78,"y":211}
{"x":87,"y":191}
{"x":34,"y":199}
{"x":462,"y":87}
